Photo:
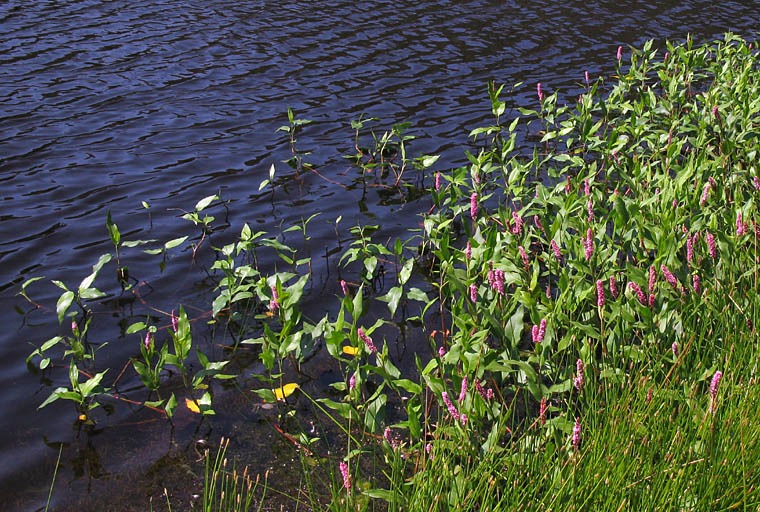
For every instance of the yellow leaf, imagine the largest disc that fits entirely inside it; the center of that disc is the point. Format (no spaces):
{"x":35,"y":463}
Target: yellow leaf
{"x":286,"y":390}
{"x":192,"y":405}
{"x":82,"y":417}
{"x":351,"y":351}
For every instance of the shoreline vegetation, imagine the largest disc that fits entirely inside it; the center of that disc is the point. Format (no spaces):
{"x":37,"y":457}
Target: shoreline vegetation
{"x":590,"y":308}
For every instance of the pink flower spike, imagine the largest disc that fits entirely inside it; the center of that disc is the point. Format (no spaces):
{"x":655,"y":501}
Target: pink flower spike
{"x":367,"y":341}
{"x":463,"y":417}
{"x":588,"y":244}
{"x":148,"y":342}
{"x":437,"y":181}
{"x":652,"y":278}
{"x":474,"y":205}
{"x":579,"y":380}
{"x":542,"y":330}
{"x":651,"y":300}
{"x":542,"y":411}
{"x":452,"y":410}
{"x":463,"y":391}
{"x":600,"y":293}
{"x":704,"y":194}
{"x":586,"y":75}
{"x":526,"y":261}
{"x":567,"y":185}
{"x":352,"y":382}
{"x":468,"y":251}
{"x":473,"y":293}
{"x":756,"y":182}
{"x":711,"y":244}
{"x":175,"y":322}
{"x":346,"y":476}
{"x":714,"y":391}
{"x":534,"y":332}
{"x":674,"y":348}
{"x":619,"y":53}
{"x":537,"y":223}
{"x":586,"y":187}
{"x":548,"y":292}
{"x":540,"y":92}
{"x":613,"y":287}
{"x":590,"y":208}
{"x":689,"y":249}
{"x":669,"y":277}
{"x":695,"y":283}
{"x":555,"y":249}
{"x":741,"y":227}
{"x":344,"y":287}
{"x":640,"y":294}
{"x":576,"y":439}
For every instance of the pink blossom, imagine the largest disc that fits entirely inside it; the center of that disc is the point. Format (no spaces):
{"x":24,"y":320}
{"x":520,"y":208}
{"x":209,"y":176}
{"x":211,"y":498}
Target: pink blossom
{"x":473,"y":293}
{"x":476,"y":177}
{"x":599,"y":293}
{"x":652,"y":278}
{"x":524,"y":257}
{"x":344,"y":287}
{"x":437,"y":181}
{"x":619,"y":53}
{"x":367,"y":341}
{"x":586,"y":187}
{"x":695,"y":283}
{"x":741,"y":227}
{"x":590,"y":208}
{"x":542,"y":411}
{"x":175,"y":322}
{"x":346,"y":476}
{"x":486,"y":394}
{"x":567,"y":185}
{"x":756,"y":182}
{"x":539,"y":331}
{"x":711,"y":244}
{"x":576,"y":439}
{"x":148,"y":341}
{"x":588,"y":244}
{"x":499,"y":280}
{"x":651,"y":300}
{"x":674,"y":348}
{"x":452,"y":410}
{"x":689,"y":249}
{"x":714,"y":391}
{"x":579,"y":380}
{"x":540,"y":92}
{"x":463,"y":417}
{"x":474,"y":205}
{"x":704,"y":194}
{"x":534,"y":333}
{"x":613,"y":287}
{"x":517,"y":229}
{"x":441,"y":351}
{"x":463,"y":391}
{"x":468,"y":251}
{"x":715,"y":113}
{"x":548,"y":292}
{"x":537,"y":222}
{"x":669,"y":277}
{"x":635,"y":287}
{"x":352,"y":382}
{"x":274,"y":305}
{"x":649,"y":395}
{"x":557,"y":254}
{"x":586,"y":75}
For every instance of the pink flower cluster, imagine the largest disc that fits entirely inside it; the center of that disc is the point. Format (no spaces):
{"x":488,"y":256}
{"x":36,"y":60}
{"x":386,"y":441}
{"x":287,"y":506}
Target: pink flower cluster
{"x":474,"y":205}
{"x":636,"y":288}
{"x":613,"y":287}
{"x":274,"y":305}
{"x":524,"y":256}
{"x":518,"y":223}
{"x":557,"y":254}
{"x":714,"y":391}
{"x":710,"y":239}
{"x":539,"y":331}
{"x":487,"y":394}
{"x":579,"y":379}
{"x":669,"y":277}
{"x":599,"y":293}
{"x":588,"y":244}
{"x":367,"y":341}
{"x":576,"y":439}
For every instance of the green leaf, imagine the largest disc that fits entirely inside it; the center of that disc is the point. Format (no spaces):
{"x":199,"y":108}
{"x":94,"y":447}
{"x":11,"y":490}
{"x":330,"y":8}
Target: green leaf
{"x":136,"y":327}
{"x":63,"y":304}
{"x":375,"y":415}
{"x":203,"y":203}
{"x":171,"y":405}
{"x":170,"y":244}
{"x":406,"y":271}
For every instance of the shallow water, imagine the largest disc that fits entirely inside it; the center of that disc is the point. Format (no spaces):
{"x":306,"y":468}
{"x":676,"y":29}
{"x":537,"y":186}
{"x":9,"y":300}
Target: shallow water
{"x":107,"y":104}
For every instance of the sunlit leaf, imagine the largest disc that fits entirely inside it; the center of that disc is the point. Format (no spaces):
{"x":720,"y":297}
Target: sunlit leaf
{"x":285,"y":391}
{"x":192,"y":405}
{"x":350,"y":350}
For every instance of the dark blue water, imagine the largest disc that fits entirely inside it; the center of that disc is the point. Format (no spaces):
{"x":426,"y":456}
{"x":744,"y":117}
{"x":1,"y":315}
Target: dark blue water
{"x":104,"y":105}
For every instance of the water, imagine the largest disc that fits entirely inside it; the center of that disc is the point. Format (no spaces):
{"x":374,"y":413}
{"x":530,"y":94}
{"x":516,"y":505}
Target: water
{"x":107,"y":104}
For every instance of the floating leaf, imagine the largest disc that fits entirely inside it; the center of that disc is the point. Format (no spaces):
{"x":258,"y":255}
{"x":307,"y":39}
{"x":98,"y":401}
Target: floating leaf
{"x":350,"y":350}
{"x":285,"y":391}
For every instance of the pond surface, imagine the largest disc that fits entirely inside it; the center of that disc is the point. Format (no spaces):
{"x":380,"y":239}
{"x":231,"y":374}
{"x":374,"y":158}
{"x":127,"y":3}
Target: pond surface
{"x":108,"y":104}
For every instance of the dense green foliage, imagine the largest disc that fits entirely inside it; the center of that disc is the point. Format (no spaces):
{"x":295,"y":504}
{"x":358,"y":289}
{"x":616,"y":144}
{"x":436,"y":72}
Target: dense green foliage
{"x":581,"y":304}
